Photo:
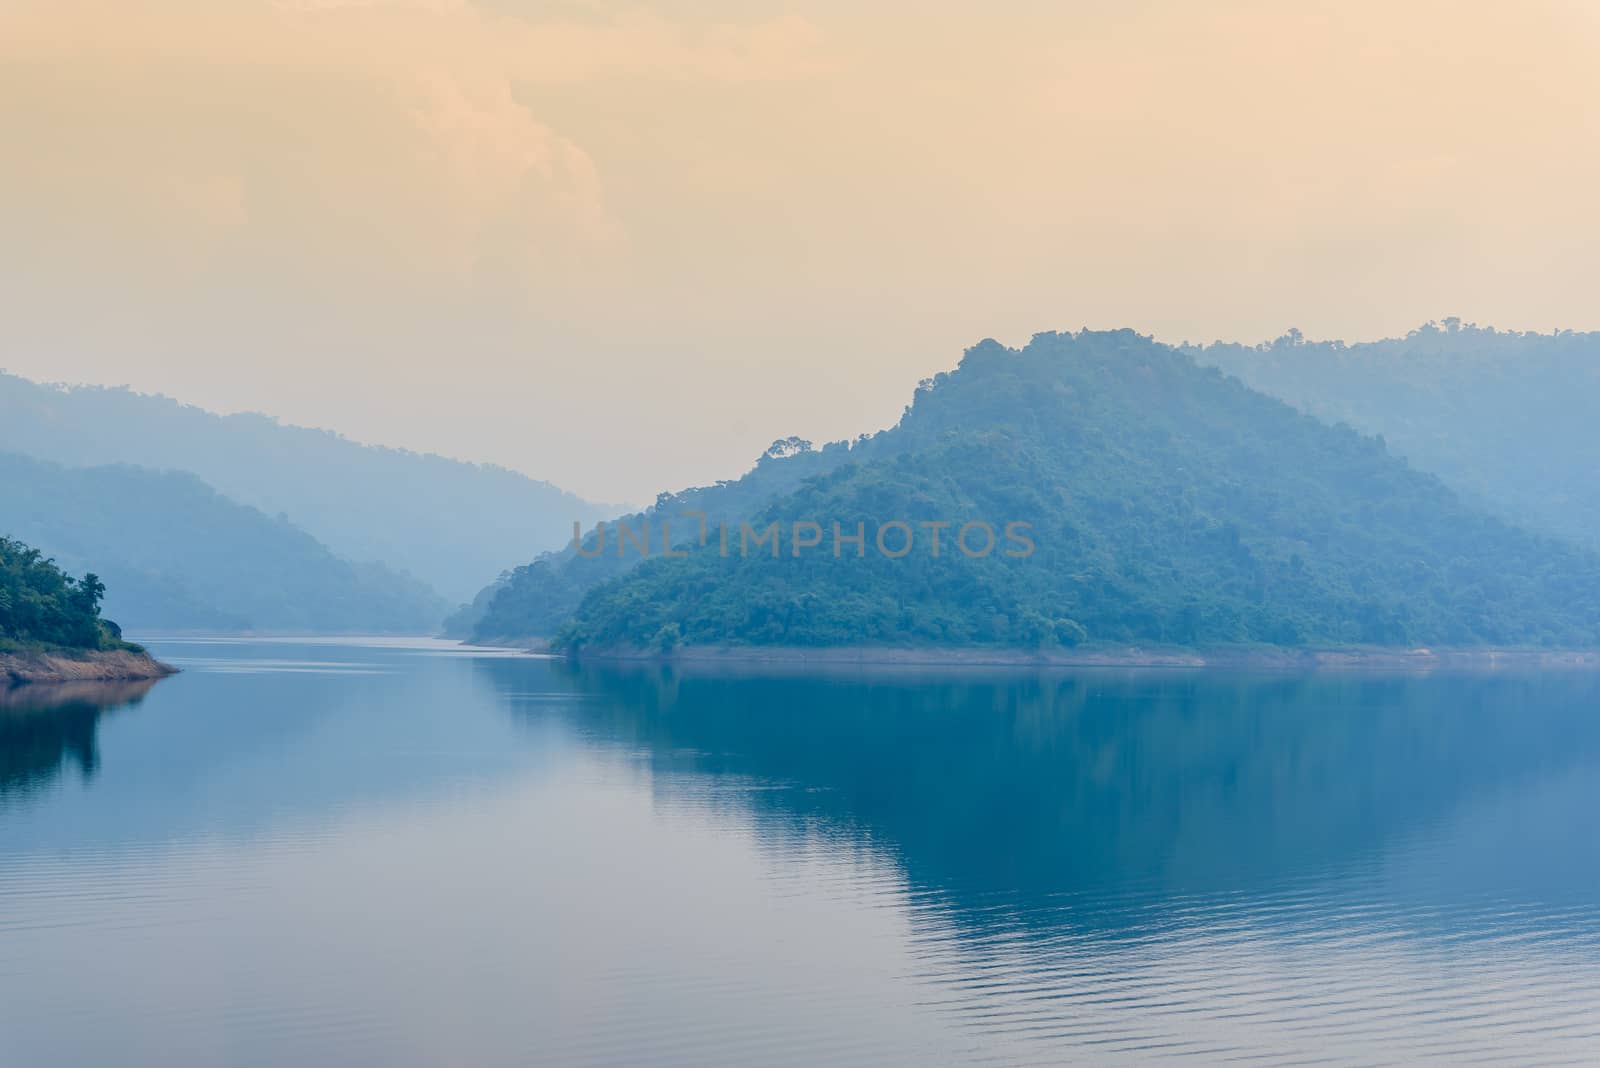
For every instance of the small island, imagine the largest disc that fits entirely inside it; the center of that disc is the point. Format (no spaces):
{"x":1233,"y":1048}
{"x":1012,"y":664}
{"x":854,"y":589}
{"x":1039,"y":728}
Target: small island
{"x":51,"y":629}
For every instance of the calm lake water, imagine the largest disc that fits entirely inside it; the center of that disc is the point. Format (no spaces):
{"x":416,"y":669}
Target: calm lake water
{"x":406,"y":854}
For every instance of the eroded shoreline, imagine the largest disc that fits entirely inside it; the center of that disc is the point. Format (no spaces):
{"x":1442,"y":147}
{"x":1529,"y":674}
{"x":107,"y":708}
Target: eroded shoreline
{"x":26,"y":667}
{"x":1229,"y":657}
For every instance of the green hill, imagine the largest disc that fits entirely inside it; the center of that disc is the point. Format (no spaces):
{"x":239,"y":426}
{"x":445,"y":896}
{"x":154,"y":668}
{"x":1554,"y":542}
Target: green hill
{"x":1505,"y":417}
{"x":1166,"y":503}
{"x":537,"y":599}
{"x":177,"y":555}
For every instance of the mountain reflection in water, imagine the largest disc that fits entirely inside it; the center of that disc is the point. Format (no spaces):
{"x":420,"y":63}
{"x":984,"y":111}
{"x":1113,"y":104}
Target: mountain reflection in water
{"x":390,"y":852}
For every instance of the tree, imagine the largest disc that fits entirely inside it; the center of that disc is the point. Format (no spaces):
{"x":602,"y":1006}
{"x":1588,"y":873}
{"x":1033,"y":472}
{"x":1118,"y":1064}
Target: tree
{"x":90,"y":592}
{"x":40,"y":603}
{"x":784,"y":448}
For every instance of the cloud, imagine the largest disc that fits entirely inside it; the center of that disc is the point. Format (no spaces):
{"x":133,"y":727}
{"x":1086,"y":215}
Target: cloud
{"x":384,"y":134}
{"x":509,"y":175}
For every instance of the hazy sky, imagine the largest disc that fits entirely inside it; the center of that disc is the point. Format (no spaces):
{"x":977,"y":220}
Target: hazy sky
{"x":624,"y":247}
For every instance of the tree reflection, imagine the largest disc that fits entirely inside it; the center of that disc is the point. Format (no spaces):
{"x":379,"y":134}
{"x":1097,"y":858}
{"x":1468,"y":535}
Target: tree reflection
{"x":1104,"y":787}
{"x":46,"y":727}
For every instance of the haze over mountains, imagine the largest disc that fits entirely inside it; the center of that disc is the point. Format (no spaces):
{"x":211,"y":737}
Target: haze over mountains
{"x":176,"y":555}
{"x":451,"y":524}
{"x":1505,"y":416}
{"x":1168,"y":503}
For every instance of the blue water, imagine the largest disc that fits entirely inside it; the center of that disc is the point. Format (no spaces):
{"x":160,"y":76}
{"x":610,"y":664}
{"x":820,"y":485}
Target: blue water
{"x":405,"y":853}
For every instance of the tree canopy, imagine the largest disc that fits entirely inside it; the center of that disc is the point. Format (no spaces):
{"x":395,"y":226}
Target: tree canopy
{"x":40,"y":603}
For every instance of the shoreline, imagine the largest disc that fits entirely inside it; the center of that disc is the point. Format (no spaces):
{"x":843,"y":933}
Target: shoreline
{"x":1130,"y":656}
{"x":34,"y":666}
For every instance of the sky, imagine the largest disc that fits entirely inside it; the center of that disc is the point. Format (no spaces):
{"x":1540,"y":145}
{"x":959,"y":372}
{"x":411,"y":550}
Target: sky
{"x":625,"y":246}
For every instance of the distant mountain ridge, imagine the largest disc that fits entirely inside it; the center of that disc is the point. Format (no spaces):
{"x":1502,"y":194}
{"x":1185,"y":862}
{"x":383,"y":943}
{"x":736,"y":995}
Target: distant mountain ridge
{"x":176,"y":555}
{"x":1168,"y":503}
{"x":452,"y":524}
{"x":1505,"y":416}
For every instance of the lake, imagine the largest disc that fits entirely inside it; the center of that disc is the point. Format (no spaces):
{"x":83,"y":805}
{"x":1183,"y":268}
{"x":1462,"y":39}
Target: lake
{"x":406,"y":853}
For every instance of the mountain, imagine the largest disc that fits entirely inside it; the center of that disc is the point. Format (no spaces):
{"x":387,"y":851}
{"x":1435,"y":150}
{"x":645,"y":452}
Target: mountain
{"x":1156,"y":501}
{"x":1506,"y":417}
{"x":452,"y":524}
{"x":535,"y":600}
{"x":177,"y":555}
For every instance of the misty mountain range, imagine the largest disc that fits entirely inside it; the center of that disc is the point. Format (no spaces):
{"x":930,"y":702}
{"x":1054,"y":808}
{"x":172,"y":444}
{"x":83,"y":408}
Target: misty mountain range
{"x":1438,"y":488}
{"x":450,"y":524}
{"x":1507,"y":418}
{"x":203,"y":522}
{"x":176,"y":555}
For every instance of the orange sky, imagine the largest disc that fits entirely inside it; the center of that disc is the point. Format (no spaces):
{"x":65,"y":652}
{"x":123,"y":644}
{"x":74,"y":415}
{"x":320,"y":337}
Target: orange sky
{"x":625,"y":247}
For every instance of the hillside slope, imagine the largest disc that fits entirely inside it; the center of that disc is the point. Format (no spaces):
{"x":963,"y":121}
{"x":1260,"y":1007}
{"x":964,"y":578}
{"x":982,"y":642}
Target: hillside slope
{"x":177,"y":555}
{"x":1506,"y":417}
{"x":454,"y":525}
{"x":536,"y":599}
{"x":1166,"y":503}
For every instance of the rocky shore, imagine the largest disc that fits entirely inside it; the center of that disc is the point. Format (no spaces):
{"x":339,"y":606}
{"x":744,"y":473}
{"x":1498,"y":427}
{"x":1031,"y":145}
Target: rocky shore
{"x":89,"y":665}
{"x":1240,"y":657}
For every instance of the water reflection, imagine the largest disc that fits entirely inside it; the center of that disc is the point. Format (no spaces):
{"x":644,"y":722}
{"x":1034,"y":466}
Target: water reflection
{"x":1094,"y":783}
{"x":1135,"y":864}
{"x":46,"y":727}
{"x":335,"y":853}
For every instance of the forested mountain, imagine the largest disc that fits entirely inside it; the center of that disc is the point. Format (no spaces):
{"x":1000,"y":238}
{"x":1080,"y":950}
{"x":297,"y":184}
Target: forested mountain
{"x":1165,"y":503}
{"x":41,"y":604}
{"x":535,"y":600}
{"x":452,"y":524}
{"x":177,"y":555}
{"x":1506,"y":417}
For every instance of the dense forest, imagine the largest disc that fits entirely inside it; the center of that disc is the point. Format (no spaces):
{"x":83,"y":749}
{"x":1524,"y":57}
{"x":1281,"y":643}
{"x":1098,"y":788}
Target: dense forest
{"x":42,"y":605}
{"x":450,"y":524}
{"x":1505,"y":417}
{"x":538,"y":598}
{"x":178,"y":556}
{"x":1167,"y":502}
